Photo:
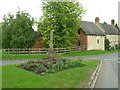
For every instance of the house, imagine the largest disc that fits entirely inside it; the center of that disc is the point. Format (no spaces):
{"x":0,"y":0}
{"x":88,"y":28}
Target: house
{"x":111,"y":32}
{"x":37,"y":43}
{"x":91,"y":36}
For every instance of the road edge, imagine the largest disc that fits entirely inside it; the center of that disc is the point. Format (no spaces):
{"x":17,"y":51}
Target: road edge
{"x":94,"y":77}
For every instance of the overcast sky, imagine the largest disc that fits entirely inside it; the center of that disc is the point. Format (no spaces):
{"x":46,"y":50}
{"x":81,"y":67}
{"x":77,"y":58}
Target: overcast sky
{"x":104,"y":9}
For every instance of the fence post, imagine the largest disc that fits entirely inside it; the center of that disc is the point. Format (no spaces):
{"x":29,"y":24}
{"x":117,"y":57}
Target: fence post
{"x":70,"y":49}
{"x":39,"y":50}
{"x":57,"y":50}
{"x":64,"y":50}
{"x":8,"y":50}
{"x":19,"y":50}
{"x":29,"y":50}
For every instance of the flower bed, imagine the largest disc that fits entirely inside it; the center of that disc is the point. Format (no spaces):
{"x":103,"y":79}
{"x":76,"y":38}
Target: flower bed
{"x":45,"y":66}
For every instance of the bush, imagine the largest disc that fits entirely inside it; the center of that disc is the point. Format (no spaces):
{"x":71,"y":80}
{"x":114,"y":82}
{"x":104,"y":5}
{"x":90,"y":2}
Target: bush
{"x":40,"y":66}
{"x":65,"y":64}
{"x":117,"y":46}
{"x":40,"y":69}
{"x":107,"y":44}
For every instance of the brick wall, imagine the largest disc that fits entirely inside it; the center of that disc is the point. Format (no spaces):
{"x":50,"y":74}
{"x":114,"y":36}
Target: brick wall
{"x":83,"y":38}
{"x":37,"y":43}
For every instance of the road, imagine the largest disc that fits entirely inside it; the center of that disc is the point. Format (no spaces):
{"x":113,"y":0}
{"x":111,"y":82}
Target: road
{"x":7,"y":62}
{"x":92,"y":57}
{"x":97,"y":57}
{"x":108,"y":77}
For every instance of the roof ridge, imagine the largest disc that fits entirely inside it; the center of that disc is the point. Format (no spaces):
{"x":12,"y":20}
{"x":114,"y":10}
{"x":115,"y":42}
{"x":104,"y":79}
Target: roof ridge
{"x":88,"y":21}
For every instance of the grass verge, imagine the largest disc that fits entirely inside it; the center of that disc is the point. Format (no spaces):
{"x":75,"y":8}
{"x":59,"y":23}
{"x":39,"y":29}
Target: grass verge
{"x":85,"y":53}
{"x":14,"y":77}
{"x":6,"y":56}
{"x":21,"y":56}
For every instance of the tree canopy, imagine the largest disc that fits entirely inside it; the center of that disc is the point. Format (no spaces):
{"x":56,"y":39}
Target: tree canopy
{"x":65,"y":17}
{"x":17,"y":31}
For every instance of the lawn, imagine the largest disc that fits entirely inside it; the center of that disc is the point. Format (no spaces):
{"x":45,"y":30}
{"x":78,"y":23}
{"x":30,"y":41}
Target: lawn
{"x":85,"y":53}
{"x":6,"y":56}
{"x":21,"y":56}
{"x":14,"y":77}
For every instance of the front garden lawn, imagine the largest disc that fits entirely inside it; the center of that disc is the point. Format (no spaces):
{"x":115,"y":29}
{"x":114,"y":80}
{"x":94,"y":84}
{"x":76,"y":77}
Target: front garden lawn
{"x":14,"y":77}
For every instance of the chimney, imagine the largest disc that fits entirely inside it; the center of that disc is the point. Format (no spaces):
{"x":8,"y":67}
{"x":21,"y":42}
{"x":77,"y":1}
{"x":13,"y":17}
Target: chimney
{"x":113,"y":22}
{"x":97,"y":20}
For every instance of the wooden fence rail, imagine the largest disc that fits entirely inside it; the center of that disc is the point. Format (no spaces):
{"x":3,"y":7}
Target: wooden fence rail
{"x":42,"y":50}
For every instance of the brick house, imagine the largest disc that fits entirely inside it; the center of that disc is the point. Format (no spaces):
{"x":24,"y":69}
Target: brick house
{"x":91,"y":36}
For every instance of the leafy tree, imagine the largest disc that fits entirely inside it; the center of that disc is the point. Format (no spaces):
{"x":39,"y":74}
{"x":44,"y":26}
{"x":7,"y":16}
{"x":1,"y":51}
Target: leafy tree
{"x":17,"y":30}
{"x":7,"y":30}
{"x":65,"y":17}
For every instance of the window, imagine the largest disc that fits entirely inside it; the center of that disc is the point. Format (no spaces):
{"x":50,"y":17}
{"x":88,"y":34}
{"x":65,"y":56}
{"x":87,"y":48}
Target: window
{"x":78,"y":31}
{"x":78,"y":43}
{"x":98,"y":41}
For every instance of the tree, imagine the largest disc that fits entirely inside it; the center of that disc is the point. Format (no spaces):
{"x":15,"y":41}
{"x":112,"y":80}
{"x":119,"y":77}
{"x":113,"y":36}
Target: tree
{"x":7,"y":25}
{"x":17,"y":30}
{"x":65,"y":18}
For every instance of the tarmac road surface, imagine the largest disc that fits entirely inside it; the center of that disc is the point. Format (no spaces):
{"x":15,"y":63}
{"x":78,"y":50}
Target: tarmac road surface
{"x":108,"y":77}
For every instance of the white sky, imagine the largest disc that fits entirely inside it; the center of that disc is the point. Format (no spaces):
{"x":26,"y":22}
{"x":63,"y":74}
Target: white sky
{"x":104,"y":9}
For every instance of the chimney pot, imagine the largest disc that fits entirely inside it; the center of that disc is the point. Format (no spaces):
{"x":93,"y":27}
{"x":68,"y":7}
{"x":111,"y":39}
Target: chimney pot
{"x":97,"y":20}
{"x":113,"y":22}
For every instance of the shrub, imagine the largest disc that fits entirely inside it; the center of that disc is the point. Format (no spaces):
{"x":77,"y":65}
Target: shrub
{"x":107,"y":44}
{"x":41,"y":69}
{"x":117,"y":46}
{"x":40,"y":66}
